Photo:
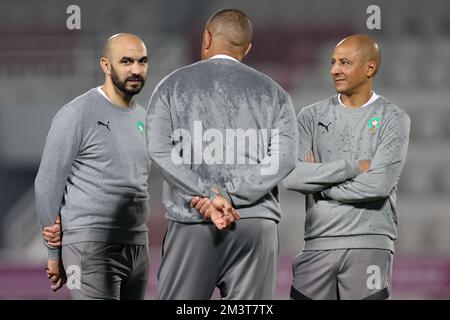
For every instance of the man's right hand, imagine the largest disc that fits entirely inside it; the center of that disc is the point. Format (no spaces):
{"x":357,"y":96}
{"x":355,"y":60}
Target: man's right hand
{"x":222,"y":205}
{"x":220,"y":219}
{"x":53,"y":234}
{"x":364,"y":165}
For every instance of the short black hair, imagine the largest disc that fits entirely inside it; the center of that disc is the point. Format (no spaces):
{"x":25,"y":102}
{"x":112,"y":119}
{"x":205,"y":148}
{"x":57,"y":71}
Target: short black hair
{"x":235,"y":25}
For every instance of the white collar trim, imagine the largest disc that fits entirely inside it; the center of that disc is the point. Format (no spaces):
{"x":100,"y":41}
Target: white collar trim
{"x":371,"y":100}
{"x":223,"y":56}
{"x":102,"y":92}
{"x":99,"y":89}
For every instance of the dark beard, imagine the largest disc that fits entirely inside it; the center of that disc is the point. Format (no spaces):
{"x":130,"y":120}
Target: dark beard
{"x":121,"y":85}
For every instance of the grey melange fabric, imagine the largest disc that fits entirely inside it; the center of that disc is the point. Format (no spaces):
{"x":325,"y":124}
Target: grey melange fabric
{"x":351,"y":217}
{"x":218,"y":97}
{"x":106,"y":271}
{"x":342,"y":274}
{"x":346,"y":209}
{"x":241,"y":261}
{"x":94,"y":172}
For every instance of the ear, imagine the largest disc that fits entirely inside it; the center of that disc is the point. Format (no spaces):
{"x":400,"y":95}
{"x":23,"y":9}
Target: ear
{"x":206,"y":39}
{"x":106,"y":66}
{"x":371,"y":68}
{"x":248,"y":49}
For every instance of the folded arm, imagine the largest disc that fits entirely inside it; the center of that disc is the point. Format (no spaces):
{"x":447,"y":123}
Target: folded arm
{"x":387,"y":164}
{"x":309,"y":177}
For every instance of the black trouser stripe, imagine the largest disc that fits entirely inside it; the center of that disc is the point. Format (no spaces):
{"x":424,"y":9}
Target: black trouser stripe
{"x":380,"y":295}
{"x":297,"y":295}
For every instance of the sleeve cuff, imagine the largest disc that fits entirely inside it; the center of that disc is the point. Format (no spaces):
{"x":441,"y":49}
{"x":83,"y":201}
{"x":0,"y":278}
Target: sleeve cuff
{"x":223,"y":192}
{"x":54,"y":254}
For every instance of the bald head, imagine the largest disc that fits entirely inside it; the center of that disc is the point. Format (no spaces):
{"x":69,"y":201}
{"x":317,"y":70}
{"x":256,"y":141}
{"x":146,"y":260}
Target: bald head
{"x":365,"y":46}
{"x":118,"y":42}
{"x":229,"y":31}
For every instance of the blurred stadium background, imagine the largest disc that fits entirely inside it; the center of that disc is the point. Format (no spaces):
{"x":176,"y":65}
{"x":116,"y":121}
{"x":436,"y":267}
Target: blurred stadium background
{"x":43,"y":65}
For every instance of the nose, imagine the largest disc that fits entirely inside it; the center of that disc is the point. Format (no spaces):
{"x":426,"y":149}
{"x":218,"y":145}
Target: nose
{"x":334,"y":69}
{"x":136,"y":68}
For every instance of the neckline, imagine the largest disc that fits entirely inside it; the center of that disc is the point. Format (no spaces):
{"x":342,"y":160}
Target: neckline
{"x":112,"y":105}
{"x":354,"y":110}
{"x":223,"y":56}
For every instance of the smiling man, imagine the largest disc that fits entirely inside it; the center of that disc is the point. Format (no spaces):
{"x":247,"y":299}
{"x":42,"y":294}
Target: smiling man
{"x":352,"y":148}
{"x":93,"y":179}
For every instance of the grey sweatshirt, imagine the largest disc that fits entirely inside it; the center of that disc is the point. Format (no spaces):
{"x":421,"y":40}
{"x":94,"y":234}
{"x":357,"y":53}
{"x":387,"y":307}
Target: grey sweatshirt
{"x":345,"y":209}
{"x":193,"y":117}
{"x":94,"y":172}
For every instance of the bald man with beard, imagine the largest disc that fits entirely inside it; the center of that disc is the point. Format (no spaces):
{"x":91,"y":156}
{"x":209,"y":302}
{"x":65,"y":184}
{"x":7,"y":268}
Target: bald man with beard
{"x":92,"y":181}
{"x":352,"y":148}
{"x":212,"y":176}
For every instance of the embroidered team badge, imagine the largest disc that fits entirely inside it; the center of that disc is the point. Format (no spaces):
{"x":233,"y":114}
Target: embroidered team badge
{"x":373,"y":124}
{"x":140,"y":127}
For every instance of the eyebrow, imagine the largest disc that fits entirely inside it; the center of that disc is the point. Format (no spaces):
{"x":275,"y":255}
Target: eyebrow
{"x":132,"y":59}
{"x":341,"y":59}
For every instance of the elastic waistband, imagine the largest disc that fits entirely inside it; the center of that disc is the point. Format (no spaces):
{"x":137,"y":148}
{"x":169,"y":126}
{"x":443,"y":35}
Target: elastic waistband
{"x":105,"y":235}
{"x":350,"y":242}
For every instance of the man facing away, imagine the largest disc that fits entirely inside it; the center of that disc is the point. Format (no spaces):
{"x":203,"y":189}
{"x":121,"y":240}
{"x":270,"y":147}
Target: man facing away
{"x":352,"y":148}
{"x":223,"y":136}
{"x":94,"y":173}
